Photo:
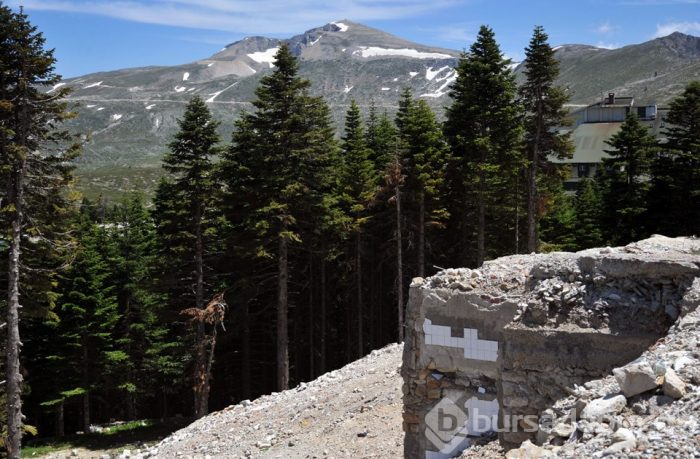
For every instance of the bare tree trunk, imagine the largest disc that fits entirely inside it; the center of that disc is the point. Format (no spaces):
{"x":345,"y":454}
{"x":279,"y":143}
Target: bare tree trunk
{"x":282,"y":320}
{"x":310,"y":323}
{"x":165,"y":405}
{"x":60,"y":423}
{"x":201,"y":375}
{"x":517,"y":212}
{"x":481,"y":231}
{"x":86,"y":386}
{"x":130,"y":398}
{"x":399,"y":265}
{"x":210,"y":360}
{"x":358,"y":280}
{"x":322,"y":362}
{"x":421,"y":234}
{"x":245,"y":352}
{"x":481,"y":216}
{"x":13,"y":376}
{"x":532,"y":207}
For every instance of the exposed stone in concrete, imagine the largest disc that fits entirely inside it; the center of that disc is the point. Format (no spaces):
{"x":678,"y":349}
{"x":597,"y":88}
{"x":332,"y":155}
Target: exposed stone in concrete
{"x":635,"y":378}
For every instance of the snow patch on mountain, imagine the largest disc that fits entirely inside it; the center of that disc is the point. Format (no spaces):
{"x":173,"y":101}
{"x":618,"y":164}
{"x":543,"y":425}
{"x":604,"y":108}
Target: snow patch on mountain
{"x":116,"y":117}
{"x":91,"y":106}
{"x":55,"y":87}
{"x":186,"y":76}
{"x":93,"y":85}
{"x":180,"y":88}
{"x":341,"y":26}
{"x":412,"y":74}
{"x":442,"y":90}
{"x":347,"y":89}
{"x":386,"y":89}
{"x":430,"y":73}
{"x":374,"y":51}
{"x":210,"y":64}
{"x":218,"y":93}
{"x":100,"y":109}
{"x":267,"y":56}
{"x":150,"y":106}
{"x":252,"y":70}
{"x":315,"y":41}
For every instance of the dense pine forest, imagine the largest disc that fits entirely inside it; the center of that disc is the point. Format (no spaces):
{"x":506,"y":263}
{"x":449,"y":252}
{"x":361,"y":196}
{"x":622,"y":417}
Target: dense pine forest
{"x":267,"y":259}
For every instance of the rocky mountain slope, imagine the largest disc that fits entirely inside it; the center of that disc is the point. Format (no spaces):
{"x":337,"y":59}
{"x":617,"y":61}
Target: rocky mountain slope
{"x":128,"y":116}
{"x":653,"y":72}
{"x":131,"y":113}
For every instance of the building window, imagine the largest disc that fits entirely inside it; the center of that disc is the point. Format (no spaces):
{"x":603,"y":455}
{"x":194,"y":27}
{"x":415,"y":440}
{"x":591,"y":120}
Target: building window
{"x":583,"y":170}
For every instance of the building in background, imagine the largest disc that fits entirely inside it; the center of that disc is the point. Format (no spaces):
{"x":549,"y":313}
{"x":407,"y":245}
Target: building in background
{"x":597,"y":123}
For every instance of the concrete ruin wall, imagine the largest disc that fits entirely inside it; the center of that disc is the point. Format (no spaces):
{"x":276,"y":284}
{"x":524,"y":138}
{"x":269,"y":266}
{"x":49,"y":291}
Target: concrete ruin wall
{"x":508,"y":340}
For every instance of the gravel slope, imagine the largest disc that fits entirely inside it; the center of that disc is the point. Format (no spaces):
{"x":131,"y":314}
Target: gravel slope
{"x":353,"y":412}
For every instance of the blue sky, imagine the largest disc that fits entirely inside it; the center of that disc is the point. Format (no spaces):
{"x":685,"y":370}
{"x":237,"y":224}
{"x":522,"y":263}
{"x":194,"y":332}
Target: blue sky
{"x":95,"y":35}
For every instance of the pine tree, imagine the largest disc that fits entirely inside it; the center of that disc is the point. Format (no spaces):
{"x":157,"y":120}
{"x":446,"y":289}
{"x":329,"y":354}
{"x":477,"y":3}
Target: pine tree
{"x":380,"y":137}
{"x":138,"y":335}
{"x":34,"y":170}
{"x":545,"y":115}
{"x":282,"y":153}
{"x":624,"y":182}
{"x":359,"y":184}
{"x":558,"y":225}
{"x":674,"y":207}
{"x":587,"y":205}
{"x":484,"y":131}
{"x":88,"y":316}
{"x":424,"y":161}
{"x":185,"y":223}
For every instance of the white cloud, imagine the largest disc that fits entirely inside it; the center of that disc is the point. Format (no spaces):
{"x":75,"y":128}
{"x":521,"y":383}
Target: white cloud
{"x":605,"y":45}
{"x":242,"y":16}
{"x":691,"y":28}
{"x":605,"y":28}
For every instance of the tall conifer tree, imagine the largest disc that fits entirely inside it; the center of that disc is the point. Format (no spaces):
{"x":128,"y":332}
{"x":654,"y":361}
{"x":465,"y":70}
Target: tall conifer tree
{"x":545,"y":116}
{"x":282,"y":152}
{"x":624,"y":182}
{"x":674,"y":207}
{"x":185,"y":219}
{"x":424,"y":159}
{"x":34,"y":170}
{"x":484,"y":131}
{"x":359,"y":188}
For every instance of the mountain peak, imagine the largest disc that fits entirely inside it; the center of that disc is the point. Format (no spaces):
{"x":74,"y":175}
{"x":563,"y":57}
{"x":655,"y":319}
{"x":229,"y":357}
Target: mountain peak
{"x":681,"y":44}
{"x":337,"y":40}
